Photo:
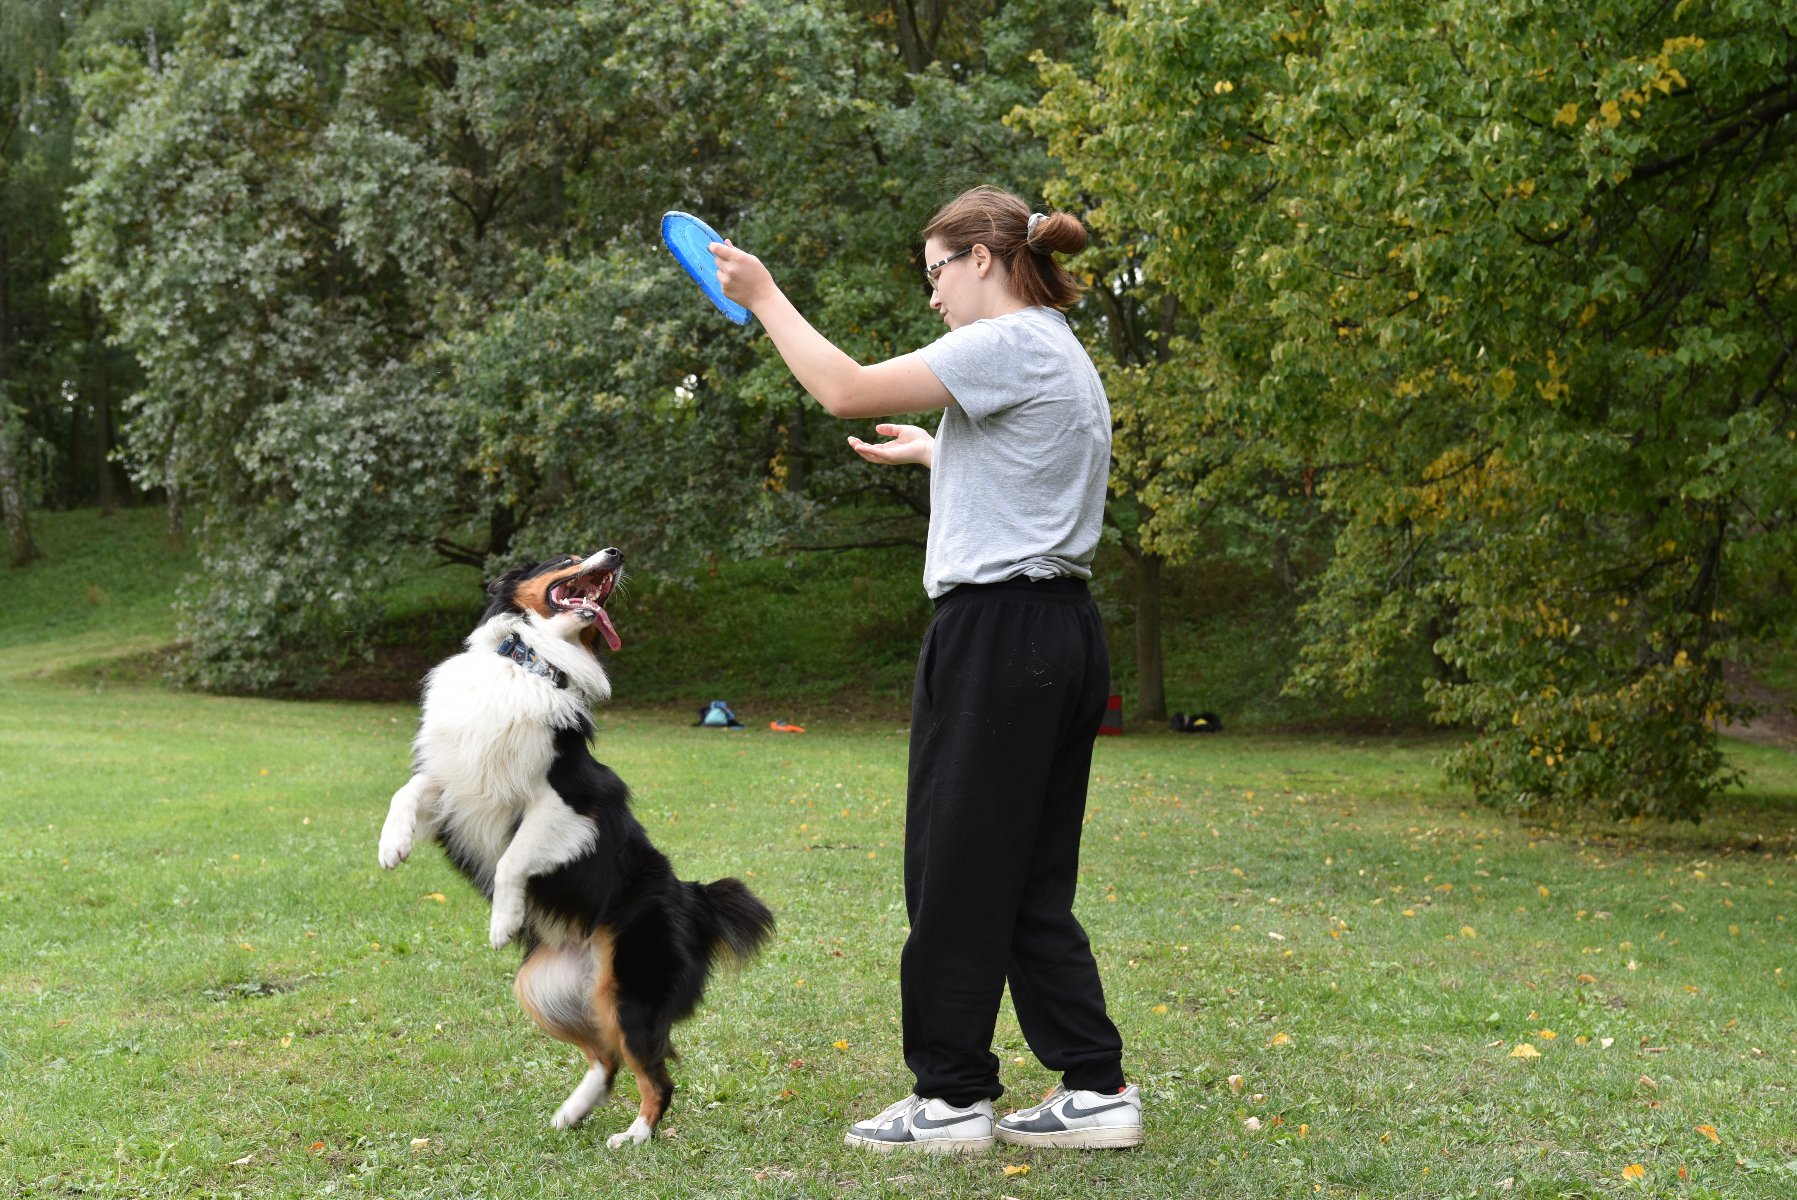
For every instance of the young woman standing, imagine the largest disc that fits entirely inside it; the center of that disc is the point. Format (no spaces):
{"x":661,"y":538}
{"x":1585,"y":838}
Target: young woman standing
{"x":1012,"y":677}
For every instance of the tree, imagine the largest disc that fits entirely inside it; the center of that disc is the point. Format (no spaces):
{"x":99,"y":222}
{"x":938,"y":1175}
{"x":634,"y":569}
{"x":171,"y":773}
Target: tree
{"x":1180,"y":473}
{"x":391,"y":273}
{"x":34,"y":121}
{"x":1514,"y":282}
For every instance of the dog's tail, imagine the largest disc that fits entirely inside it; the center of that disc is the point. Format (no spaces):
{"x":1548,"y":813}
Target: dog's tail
{"x":738,"y":921}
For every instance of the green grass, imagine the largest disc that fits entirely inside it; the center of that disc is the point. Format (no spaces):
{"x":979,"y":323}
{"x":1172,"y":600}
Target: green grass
{"x":207,"y":986}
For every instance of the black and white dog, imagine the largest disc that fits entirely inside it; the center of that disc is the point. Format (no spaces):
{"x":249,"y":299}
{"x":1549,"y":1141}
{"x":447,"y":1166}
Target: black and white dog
{"x":616,"y":949}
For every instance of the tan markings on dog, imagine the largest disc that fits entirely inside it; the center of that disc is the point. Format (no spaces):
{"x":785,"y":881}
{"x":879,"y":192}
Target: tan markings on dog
{"x":587,"y":1017}
{"x":604,"y":1001}
{"x":654,"y":1088}
{"x":533,"y":594}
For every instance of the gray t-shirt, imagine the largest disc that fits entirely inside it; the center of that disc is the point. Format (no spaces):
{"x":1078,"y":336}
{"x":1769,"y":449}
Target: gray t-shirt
{"x":1022,"y":456}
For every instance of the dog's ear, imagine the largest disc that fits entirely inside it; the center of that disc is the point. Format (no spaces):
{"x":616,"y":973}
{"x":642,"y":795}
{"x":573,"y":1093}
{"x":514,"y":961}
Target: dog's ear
{"x":501,"y":587}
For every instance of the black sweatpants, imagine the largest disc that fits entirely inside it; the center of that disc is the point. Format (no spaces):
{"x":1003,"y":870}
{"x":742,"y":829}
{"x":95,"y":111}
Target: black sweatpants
{"x":1011,"y":687}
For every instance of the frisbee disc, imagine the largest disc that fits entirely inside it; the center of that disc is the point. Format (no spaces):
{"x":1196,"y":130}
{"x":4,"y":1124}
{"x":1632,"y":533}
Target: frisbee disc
{"x":687,"y":237}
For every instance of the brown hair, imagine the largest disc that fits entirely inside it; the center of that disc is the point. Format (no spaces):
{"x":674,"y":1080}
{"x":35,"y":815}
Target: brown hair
{"x":1000,"y":222}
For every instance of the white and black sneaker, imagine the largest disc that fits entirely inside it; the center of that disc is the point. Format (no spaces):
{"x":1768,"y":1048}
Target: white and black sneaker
{"x":1078,"y":1121}
{"x":933,"y":1126}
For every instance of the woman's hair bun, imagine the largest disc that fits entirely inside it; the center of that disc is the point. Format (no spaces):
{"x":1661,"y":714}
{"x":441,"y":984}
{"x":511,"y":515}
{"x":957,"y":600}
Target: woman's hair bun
{"x":1059,"y":233}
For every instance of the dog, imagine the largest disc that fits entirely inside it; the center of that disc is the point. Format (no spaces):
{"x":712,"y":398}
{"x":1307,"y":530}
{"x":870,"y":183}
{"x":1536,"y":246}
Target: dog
{"x":616,"y":949}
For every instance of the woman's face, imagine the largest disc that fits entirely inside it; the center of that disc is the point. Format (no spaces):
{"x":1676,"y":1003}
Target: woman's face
{"x":958,"y":285}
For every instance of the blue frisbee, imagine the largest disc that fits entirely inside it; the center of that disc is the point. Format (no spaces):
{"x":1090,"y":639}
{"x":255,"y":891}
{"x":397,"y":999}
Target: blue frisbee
{"x":687,"y":237}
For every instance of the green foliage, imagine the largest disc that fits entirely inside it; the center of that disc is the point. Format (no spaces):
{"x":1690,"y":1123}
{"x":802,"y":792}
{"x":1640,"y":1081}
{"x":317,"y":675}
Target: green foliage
{"x":1511,"y":283}
{"x":398,"y":269}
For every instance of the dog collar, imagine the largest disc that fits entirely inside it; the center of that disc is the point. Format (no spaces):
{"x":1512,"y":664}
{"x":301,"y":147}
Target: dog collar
{"x":513,"y":647}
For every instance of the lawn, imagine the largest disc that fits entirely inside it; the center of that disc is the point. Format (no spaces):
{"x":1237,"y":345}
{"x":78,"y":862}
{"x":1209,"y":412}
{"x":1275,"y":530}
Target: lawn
{"x":1325,"y":964}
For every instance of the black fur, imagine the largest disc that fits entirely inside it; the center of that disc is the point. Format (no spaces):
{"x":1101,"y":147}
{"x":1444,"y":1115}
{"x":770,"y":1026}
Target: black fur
{"x":666,"y":932}
{"x":650,"y":938}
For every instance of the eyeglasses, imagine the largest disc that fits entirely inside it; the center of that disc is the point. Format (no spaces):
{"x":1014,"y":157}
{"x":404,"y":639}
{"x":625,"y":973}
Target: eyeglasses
{"x":931,"y":272}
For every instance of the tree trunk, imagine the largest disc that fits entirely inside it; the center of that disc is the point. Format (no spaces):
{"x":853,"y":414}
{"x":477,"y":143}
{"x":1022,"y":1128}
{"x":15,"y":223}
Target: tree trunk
{"x":103,"y":431}
{"x":1151,"y":684}
{"x":12,"y":498}
{"x":177,"y":524}
{"x":798,"y":449}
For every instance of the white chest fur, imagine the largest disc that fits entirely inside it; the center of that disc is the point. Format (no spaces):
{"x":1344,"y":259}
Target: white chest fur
{"x":487,"y":740}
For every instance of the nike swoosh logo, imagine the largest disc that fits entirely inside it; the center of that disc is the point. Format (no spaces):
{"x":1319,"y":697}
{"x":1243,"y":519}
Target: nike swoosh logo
{"x":922,"y":1120}
{"x":1072,"y":1109}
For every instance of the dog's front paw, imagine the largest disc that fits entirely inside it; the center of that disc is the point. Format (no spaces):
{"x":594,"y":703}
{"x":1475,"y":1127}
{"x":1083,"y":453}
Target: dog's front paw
{"x":508,"y":919}
{"x":639,"y":1132}
{"x":396,"y":847}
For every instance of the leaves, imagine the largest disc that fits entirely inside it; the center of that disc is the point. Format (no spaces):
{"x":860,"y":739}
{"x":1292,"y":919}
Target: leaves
{"x":1466,"y":298}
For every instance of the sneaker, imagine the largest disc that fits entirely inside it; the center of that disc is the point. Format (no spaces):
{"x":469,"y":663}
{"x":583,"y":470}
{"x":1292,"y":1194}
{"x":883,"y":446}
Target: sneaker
{"x":1078,"y":1120}
{"x":934,"y":1126}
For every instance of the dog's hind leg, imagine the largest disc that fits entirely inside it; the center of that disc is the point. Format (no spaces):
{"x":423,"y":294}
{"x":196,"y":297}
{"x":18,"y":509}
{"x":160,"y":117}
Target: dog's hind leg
{"x":412,"y":806}
{"x":558,"y":986}
{"x":646,"y":1053}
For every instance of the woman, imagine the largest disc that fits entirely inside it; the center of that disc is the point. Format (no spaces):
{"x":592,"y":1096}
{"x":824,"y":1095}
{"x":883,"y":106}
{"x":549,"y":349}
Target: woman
{"x":1012,"y":677}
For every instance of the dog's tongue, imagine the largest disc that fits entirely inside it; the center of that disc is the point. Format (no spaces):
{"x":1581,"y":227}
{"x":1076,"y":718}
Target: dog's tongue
{"x":606,"y":631}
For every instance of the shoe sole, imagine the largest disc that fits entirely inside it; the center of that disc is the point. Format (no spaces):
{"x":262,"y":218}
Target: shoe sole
{"x":1115,"y":1137}
{"x":924,"y":1145}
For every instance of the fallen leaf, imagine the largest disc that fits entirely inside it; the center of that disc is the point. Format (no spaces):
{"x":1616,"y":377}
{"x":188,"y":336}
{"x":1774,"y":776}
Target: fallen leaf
{"x":420,"y":1143}
{"x":1525,"y":1051}
{"x":1467,"y":931}
{"x":1709,"y":1131}
{"x":1542,"y":890}
{"x":1587,"y":979}
{"x":841,"y":1043}
{"x":1647,"y":1082}
{"x":244,"y":1161}
{"x":1235,"y":1084}
{"x":1016,"y":1169}
{"x":1634,"y":1171}
{"x":1605,"y":1043}
{"x":1281,"y":1039}
{"x":1159,"y":1009}
{"x":1252,"y":1124}
{"x":439,"y":897}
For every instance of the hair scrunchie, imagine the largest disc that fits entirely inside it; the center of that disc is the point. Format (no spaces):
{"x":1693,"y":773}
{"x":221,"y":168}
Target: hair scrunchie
{"x":1029,"y":234}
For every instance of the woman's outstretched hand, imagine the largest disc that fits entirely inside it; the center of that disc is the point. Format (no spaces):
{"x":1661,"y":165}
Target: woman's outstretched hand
{"x":909,"y":444}
{"x":742,"y":275}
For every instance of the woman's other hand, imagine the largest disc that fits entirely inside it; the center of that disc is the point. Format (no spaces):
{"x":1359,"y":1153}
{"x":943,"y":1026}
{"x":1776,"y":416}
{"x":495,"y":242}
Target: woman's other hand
{"x":742,"y":275}
{"x":909,"y":444}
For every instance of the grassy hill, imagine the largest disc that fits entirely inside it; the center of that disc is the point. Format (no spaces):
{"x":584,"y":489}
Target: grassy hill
{"x":792,"y":638}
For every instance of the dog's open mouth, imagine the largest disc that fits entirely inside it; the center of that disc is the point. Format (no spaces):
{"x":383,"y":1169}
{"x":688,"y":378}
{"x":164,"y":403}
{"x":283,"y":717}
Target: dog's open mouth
{"x":585,"y":595}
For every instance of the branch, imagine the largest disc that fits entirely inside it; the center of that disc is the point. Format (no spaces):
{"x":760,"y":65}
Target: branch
{"x":1769,"y":115}
{"x":454,"y":552}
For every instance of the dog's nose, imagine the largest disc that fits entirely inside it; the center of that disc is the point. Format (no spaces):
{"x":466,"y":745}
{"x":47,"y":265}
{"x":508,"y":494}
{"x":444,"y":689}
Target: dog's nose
{"x":612,"y":557}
